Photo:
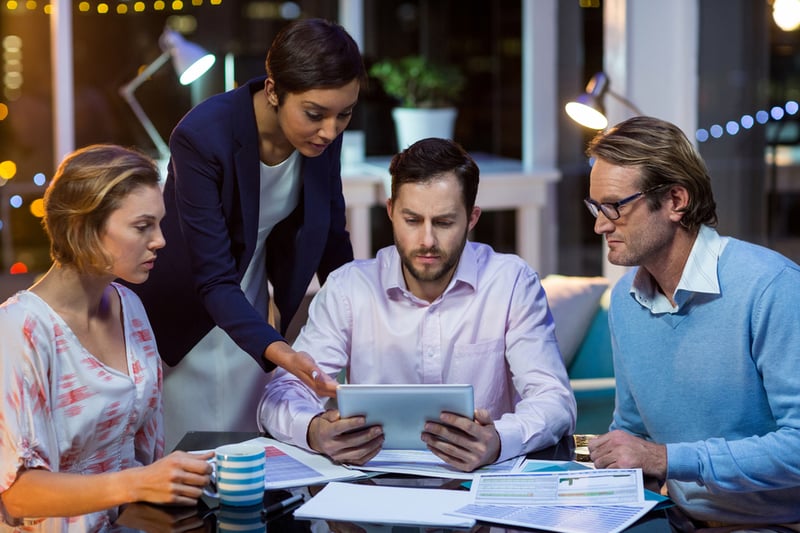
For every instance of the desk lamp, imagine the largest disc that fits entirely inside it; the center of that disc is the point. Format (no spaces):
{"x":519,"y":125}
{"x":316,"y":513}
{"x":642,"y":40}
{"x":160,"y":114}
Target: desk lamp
{"x":587,"y":109}
{"x":190,"y":62}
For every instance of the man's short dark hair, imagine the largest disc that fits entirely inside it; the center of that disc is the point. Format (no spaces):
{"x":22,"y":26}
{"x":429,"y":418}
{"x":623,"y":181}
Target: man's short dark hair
{"x":426,"y":160}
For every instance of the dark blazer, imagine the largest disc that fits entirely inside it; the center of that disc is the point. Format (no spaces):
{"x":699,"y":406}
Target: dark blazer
{"x":211,"y":223}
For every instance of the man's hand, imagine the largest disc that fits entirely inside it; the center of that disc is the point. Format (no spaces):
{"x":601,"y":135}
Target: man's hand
{"x":345,"y":440}
{"x":619,"y":449}
{"x":463,"y":443}
{"x":303,"y":366}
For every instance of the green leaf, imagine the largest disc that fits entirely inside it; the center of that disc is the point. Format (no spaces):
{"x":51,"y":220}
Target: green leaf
{"x":417,"y":82}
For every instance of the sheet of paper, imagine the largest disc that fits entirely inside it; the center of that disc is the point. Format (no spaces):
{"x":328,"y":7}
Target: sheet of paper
{"x":601,"y":501}
{"x":561,"y":518}
{"x":353,"y":502}
{"x":289,"y":466}
{"x":425,"y":463}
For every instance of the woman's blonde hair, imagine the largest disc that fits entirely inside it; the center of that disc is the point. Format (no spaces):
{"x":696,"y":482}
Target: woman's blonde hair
{"x":89,"y":185}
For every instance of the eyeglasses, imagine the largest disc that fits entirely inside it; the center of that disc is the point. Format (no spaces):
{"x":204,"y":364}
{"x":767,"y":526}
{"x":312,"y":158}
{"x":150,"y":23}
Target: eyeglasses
{"x":611,"y":209}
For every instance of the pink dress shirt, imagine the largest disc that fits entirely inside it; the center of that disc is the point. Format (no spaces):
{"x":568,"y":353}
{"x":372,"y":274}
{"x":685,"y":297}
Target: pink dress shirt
{"x":491,"y":328}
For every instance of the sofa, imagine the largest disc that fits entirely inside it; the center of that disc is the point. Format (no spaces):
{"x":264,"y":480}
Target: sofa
{"x":580,"y":310}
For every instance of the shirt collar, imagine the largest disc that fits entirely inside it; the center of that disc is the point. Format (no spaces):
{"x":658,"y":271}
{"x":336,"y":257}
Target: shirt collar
{"x":466,"y":272}
{"x":699,"y":275}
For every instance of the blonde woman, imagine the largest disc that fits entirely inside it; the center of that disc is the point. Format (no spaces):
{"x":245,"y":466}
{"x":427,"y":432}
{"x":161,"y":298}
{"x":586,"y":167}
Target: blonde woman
{"x":81,"y":422}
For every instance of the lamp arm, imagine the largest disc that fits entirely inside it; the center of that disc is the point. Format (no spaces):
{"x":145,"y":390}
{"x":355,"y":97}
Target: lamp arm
{"x":624,"y":101}
{"x":126,"y":91}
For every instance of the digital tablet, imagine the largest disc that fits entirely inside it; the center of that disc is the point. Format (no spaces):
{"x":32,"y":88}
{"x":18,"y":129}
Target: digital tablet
{"x":402,"y":410}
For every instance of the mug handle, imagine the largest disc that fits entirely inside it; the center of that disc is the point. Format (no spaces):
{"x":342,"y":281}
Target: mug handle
{"x":210,"y":490}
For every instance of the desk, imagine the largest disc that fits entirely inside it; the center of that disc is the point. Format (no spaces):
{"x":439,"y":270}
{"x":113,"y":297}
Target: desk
{"x":655,"y":521}
{"x":504,"y":184}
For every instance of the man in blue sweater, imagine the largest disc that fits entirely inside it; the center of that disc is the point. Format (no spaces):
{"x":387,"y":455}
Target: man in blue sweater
{"x":706,"y":336}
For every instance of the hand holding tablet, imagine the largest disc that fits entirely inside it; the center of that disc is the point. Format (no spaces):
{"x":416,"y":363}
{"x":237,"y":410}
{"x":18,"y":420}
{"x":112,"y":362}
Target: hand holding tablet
{"x":402,"y":410}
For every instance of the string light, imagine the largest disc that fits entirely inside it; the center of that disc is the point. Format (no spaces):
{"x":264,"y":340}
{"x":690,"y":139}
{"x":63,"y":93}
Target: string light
{"x":733,"y":127}
{"x":118,"y":7}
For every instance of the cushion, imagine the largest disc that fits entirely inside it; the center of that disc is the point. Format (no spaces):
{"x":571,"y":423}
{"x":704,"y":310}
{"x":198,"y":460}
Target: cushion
{"x":594,"y":358}
{"x":573,"y":302}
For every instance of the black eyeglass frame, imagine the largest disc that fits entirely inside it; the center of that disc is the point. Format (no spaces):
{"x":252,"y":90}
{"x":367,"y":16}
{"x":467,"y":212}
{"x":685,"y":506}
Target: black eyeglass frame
{"x":612,"y":208}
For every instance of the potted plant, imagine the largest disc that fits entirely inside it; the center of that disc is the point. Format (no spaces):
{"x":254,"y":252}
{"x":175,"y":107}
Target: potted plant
{"x":426,"y":93}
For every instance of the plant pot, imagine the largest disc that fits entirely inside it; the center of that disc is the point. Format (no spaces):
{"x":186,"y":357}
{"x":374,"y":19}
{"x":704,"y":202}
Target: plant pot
{"x":413,"y":124}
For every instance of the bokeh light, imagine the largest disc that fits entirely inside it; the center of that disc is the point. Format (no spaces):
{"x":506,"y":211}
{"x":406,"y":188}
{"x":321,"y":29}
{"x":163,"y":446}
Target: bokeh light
{"x":8,"y":169}
{"x":786,"y":14}
{"x":18,"y":268}
{"x":37,"y":208}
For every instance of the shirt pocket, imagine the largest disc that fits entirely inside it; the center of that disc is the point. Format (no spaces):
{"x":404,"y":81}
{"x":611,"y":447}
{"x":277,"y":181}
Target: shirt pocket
{"x":483,"y":365}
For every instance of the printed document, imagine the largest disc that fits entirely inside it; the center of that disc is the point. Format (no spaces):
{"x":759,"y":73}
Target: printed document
{"x":601,"y":501}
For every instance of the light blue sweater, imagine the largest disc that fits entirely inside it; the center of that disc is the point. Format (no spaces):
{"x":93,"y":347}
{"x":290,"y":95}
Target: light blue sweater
{"x":718,"y":382}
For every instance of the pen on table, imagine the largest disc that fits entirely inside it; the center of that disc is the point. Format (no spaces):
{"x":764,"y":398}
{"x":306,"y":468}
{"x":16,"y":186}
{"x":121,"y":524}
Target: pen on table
{"x":283,"y":504}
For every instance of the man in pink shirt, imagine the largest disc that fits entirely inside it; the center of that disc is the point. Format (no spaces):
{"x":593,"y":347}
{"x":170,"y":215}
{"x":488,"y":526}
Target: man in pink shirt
{"x":433,"y":308}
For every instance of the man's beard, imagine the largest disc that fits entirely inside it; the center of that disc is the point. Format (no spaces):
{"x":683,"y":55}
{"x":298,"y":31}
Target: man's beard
{"x":448,"y":265}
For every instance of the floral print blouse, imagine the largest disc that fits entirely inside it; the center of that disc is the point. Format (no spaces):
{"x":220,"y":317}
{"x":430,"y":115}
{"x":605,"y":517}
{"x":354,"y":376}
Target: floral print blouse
{"x":65,"y":411}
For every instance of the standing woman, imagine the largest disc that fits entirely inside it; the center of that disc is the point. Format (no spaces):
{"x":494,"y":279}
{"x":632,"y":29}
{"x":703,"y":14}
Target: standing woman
{"x":253,"y":197}
{"x":81,"y":430}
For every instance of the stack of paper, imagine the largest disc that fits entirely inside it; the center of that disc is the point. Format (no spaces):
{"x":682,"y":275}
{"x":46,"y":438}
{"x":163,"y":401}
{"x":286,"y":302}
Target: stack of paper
{"x":569,"y":501}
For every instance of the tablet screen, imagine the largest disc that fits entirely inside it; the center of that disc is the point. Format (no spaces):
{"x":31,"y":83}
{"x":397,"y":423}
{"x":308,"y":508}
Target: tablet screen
{"x":402,"y":410}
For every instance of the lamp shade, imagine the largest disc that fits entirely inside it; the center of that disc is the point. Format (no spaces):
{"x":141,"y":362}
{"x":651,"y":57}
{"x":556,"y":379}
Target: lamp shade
{"x":190,"y":60}
{"x":587,"y":109}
